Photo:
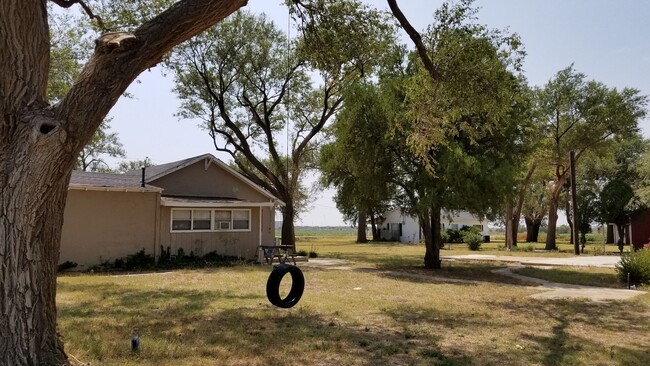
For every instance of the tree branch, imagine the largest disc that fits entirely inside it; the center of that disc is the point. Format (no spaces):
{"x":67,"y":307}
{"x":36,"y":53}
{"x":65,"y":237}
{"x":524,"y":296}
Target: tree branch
{"x":120,"y":57}
{"x":68,"y":3}
{"x":417,"y":40}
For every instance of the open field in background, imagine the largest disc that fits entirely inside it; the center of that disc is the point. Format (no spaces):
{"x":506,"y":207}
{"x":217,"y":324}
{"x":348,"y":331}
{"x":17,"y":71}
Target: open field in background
{"x":221,"y":316}
{"x":345,"y":247}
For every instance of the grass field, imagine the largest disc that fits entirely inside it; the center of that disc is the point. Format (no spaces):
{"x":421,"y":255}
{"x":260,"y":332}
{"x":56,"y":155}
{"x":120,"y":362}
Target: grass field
{"x":222,"y":317}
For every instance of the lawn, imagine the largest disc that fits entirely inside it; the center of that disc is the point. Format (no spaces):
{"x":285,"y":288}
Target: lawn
{"x":354,"y":317}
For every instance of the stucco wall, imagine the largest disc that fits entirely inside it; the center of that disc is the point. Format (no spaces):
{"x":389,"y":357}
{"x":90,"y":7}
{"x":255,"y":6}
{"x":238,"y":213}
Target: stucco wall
{"x":240,"y":243}
{"x":195,"y":181}
{"x":105,"y":225}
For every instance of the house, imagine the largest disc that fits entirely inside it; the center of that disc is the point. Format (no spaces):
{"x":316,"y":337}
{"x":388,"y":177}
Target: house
{"x":636,"y":232}
{"x":396,"y":226}
{"x":199,"y":204}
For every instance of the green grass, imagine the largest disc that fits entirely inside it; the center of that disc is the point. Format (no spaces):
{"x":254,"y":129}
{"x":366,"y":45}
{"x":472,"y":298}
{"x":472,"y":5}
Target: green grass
{"x":587,"y":276}
{"x":397,"y":253}
{"x":346,"y":317}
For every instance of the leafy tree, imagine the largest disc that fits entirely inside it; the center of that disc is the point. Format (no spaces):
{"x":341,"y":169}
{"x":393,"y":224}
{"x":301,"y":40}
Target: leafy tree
{"x":534,"y":209}
{"x":581,"y":115}
{"x":39,"y":144}
{"x":356,"y":161}
{"x":588,"y":206}
{"x":460,"y":120}
{"x":126,"y":166}
{"x":615,"y":208}
{"x":254,"y":94}
{"x":643,"y":187}
{"x":103,"y":143}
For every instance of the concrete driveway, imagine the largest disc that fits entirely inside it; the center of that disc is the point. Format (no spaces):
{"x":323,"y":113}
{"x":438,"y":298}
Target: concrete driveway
{"x":605,"y":261}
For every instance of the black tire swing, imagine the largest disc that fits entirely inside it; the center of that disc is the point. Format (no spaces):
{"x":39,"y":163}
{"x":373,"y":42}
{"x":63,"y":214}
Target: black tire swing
{"x":273,"y":285}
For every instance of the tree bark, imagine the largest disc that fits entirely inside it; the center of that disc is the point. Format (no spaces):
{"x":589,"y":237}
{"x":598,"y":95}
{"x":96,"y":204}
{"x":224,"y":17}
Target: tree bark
{"x":552,"y":225}
{"x":288,"y":226}
{"x":570,"y":220}
{"x":39,"y":145}
{"x":430,"y":222}
{"x":509,"y":225}
{"x":610,"y":234}
{"x":516,"y":211}
{"x":361,"y":227}
{"x":437,"y":238}
{"x":373,"y":226}
{"x":425,"y":224}
{"x":620,"y":228}
{"x":532,"y":229}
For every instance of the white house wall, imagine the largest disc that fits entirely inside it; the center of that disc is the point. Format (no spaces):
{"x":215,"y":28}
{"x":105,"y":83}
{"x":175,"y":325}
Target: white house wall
{"x":410,"y":232}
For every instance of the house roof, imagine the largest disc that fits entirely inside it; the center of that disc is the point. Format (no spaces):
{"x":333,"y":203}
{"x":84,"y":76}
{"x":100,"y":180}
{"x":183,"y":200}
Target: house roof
{"x":108,"y":181}
{"x":209,"y":202}
{"x":158,"y":171}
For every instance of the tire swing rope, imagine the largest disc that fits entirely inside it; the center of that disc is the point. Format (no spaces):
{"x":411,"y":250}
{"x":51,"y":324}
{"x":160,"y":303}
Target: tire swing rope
{"x":273,"y":285}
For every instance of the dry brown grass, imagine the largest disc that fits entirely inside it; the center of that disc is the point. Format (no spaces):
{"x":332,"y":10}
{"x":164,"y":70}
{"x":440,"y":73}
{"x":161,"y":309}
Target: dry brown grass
{"x":221,"y":317}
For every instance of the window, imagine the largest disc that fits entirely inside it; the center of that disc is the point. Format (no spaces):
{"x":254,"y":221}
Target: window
{"x":240,"y":220}
{"x":201,"y":220}
{"x":181,"y":220}
{"x":211,"y":220}
{"x":222,"y":219}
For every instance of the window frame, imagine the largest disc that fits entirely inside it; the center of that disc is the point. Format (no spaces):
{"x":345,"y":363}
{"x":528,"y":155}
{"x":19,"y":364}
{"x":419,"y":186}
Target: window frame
{"x":213,"y":226}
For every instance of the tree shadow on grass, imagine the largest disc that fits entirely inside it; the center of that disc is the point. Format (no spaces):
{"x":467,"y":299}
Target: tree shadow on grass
{"x":617,"y":330}
{"x":181,"y":325}
{"x":471,"y":272}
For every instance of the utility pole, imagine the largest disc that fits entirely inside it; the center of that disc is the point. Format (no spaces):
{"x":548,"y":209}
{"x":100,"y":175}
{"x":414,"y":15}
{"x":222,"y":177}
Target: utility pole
{"x":574,"y":205}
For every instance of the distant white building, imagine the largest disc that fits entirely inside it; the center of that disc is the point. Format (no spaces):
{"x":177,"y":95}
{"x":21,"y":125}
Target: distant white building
{"x":393,"y":225}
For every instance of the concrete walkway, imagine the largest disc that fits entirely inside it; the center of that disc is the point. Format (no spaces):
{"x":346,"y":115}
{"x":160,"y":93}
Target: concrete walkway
{"x":604,"y":261}
{"x":548,"y":290}
{"x":554,"y":290}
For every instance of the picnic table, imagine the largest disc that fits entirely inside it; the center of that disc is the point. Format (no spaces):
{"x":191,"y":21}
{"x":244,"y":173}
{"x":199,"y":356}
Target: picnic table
{"x":281,"y":252}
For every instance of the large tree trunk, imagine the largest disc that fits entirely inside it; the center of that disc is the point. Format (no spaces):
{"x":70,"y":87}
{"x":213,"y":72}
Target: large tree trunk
{"x":437,"y":238}
{"x":30,"y":230}
{"x":288,"y":227}
{"x":515,"y":212}
{"x":552,"y":225}
{"x":373,"y":227}
{"x":429,"y":245}
{"x":430,"y":222}
{"x":361,"y":227}
{"x":610,"y":234}
{"x":39,"y":144}
{"x":620,"y":228}
{"x":532,"y":229}
{"x":509,"y":224}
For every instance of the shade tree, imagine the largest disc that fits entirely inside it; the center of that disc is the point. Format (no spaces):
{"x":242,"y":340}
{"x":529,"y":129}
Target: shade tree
{"x":585,"y":116}
{"x":39,"y":144}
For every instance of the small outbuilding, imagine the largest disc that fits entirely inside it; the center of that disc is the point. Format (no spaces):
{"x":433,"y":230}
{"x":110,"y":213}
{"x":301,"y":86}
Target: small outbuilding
{"x":198,"y":204}
{"x":397,"y":226}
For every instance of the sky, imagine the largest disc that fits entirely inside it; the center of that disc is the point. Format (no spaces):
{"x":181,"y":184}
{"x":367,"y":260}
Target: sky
{"x":606,"y":40}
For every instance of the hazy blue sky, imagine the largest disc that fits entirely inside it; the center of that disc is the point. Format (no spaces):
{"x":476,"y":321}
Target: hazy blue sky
{"x":607,"y":40}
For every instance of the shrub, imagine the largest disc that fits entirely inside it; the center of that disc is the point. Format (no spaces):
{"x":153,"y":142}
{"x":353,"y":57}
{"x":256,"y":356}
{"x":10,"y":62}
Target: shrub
{"x":302,"y":253}
{"x":453,"y":236}
{"x":473,"y":239}
{"x":636,"y":265}
{"x":445,"y":237}
{"x":67,"y":265}
{"x":313,"y":254}
{"x":139,"y":260}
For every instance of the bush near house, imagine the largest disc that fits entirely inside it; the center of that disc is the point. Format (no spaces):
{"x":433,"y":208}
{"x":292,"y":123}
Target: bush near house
{"x":636,"y":266}
{"x":472,"y":237}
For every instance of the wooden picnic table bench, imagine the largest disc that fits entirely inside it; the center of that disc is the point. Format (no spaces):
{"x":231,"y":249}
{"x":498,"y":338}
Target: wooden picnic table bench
{"x":281,"y":252}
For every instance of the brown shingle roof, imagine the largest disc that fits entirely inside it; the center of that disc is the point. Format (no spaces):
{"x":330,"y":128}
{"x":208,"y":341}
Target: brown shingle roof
{"x":80,"y":179}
